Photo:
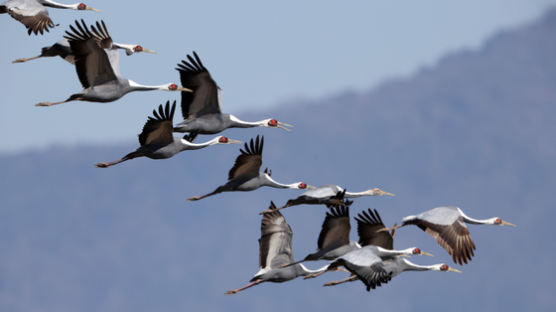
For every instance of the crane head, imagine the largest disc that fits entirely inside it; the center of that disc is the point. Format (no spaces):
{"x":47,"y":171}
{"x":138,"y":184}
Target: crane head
{"x":498,"y":221}
{"x":445,"y":268}
{"x":273,"y":123}
{"x":175,"y":87}
{"x":225,"y":140}
{"x":83,"y":6}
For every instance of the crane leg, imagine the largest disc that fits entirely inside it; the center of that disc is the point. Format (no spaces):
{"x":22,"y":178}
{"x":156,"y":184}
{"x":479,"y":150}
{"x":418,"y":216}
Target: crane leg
{"x":235,"y":291}
{"x":112,"y":163}
{"x":23,"y":59}
{"x":315,"y":274}
{"x":348,"y":279}
{"x":51,"y":103}
{"x":195,"y":198}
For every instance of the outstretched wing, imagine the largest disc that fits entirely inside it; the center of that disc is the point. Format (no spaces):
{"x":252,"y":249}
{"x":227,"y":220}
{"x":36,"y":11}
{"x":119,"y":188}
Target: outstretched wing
{"x":158,"y":129}
{"x":91,"y":61}
{"x":247,"y":164}
{"x":32,"y":14}
{"x":204,"y":98}
{"x":454,"y":238}
{"x":275,"y":244}
{"x":335,"y":228}
{"x":368,"y":225}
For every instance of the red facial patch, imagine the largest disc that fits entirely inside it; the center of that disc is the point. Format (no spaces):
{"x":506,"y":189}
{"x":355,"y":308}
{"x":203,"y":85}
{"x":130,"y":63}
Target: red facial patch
{"x":138,"y":48}
{"x":443,"y":267}
{"x":223,"y":140}
{"x":273,"y":123}
{"x":498,"y":221}
{"x":302,"y":185}
{"x":416,"y":251}
{"x":173,"y":87}
{"x":82,"y":6}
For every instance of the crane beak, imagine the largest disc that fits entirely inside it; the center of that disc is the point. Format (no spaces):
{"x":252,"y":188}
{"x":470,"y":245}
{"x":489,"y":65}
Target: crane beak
{"x":310,"y":187}
{"x":283,"y":125}
{"x":508,"y":223}
{"x":149,"y":51}
{"x":386,"y":193}
{"x":450,"y":269}
{"x":93,"y":9}
{"x":424,"y":253}
{"x":232,"y":141}
{"x":182,"y":89}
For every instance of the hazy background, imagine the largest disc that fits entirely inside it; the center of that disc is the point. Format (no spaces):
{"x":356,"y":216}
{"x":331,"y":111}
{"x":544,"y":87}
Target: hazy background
{"x":441,"y":103}
{"x":261,"y":54}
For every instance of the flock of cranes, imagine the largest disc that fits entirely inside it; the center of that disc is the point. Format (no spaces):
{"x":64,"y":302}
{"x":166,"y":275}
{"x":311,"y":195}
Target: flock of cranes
{"x":372,"y":259}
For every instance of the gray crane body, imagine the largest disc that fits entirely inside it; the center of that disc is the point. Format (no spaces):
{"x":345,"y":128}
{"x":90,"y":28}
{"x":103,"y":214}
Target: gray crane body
{"x":333,"y":252}
{"x":280,"y":275}
{"x":212,"y":124}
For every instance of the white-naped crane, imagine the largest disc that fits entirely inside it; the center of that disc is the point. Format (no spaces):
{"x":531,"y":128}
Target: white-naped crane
{"x":245,"y":176}
{"x":447,"y":226}
{"x":275,"y":250}
{"x":201,"y":109}
{"x":157,"y":141}
{"x":372,"y":231}
{"x":327,"y":195}
{"x":62,"y":48}
{"x":34,"y":15}
{"x":334,"y":239}
{"x":99,"y":69}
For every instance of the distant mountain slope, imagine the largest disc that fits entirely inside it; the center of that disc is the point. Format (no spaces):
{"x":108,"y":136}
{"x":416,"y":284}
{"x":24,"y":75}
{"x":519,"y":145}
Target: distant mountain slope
{"x":476,"y":130}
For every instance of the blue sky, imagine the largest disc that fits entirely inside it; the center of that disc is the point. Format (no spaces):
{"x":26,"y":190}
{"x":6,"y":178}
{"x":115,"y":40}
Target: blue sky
{"x":261,"y":54}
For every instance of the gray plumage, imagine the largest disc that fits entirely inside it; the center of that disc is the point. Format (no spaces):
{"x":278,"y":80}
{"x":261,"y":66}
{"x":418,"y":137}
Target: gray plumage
{"x":328,"y":195}
{"x":157,"y":141}
{"x":98,"y":67}
{"x":275,"y":251}
{"x":447,"y":226}
{"x":245,"y":176}
{"x":34,"y":15}
{"x":201,"y":109}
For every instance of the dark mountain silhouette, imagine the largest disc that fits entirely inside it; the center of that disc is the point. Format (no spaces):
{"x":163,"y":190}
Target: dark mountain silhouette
{"x":476,"y":130}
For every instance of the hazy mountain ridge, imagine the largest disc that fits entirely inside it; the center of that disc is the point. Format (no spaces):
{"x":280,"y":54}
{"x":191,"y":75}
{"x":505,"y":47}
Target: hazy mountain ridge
{"x":475,"y":130}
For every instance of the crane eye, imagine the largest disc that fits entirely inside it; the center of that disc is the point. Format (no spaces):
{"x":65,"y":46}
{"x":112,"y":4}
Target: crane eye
{"x":498,"y":221}
{"x":82,"y":6}
{"x":273,"y":123}
{"x":223,"y":139}
{"x":416,"y":251}
{"x":443,"y":267}
{"x":173,"y":87}
{"x":138,"y":48}
{"x":302,"y":185}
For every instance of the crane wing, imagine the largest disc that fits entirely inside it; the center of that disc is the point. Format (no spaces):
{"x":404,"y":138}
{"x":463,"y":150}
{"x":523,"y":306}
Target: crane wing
{"x":368,"y":225}
{"x":248,"y":164}
{"x":335,"y":228}
{"x":102,"y":36}
{"x":91,"y":61}
{"x":275,"y":244}
{"x":32,"y":14}
{"x":204,"y":99}
{"x":454,"y":238}
{"x":158,"y":129}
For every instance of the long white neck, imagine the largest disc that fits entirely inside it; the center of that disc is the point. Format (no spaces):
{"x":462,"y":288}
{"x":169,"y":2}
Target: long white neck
{"x":410,"y":266}
{"x":270,"y":182}
{"x":139,"y":87}
{"x":360,"y":194}
{"x":238,"y":123}
{"x":194,"y":146}
{"x":476,"y":221}
{"x":307,"y":271}
{"x":57,"y":5}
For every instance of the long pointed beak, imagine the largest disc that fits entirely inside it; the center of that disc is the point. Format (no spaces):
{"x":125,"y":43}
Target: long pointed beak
{"x":508,"y":223}
{"x":232,"y":141}
{"x":342,"y":269}
{"x":93,"y":9}
{"x":387,"y":194}
{"x":450,"y":269}
{"x":184,"y":89}
{"x":424,"y":253}
{"x":149,"y":51}
{"x":283,"y":125}
{"x":310,"y":187}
